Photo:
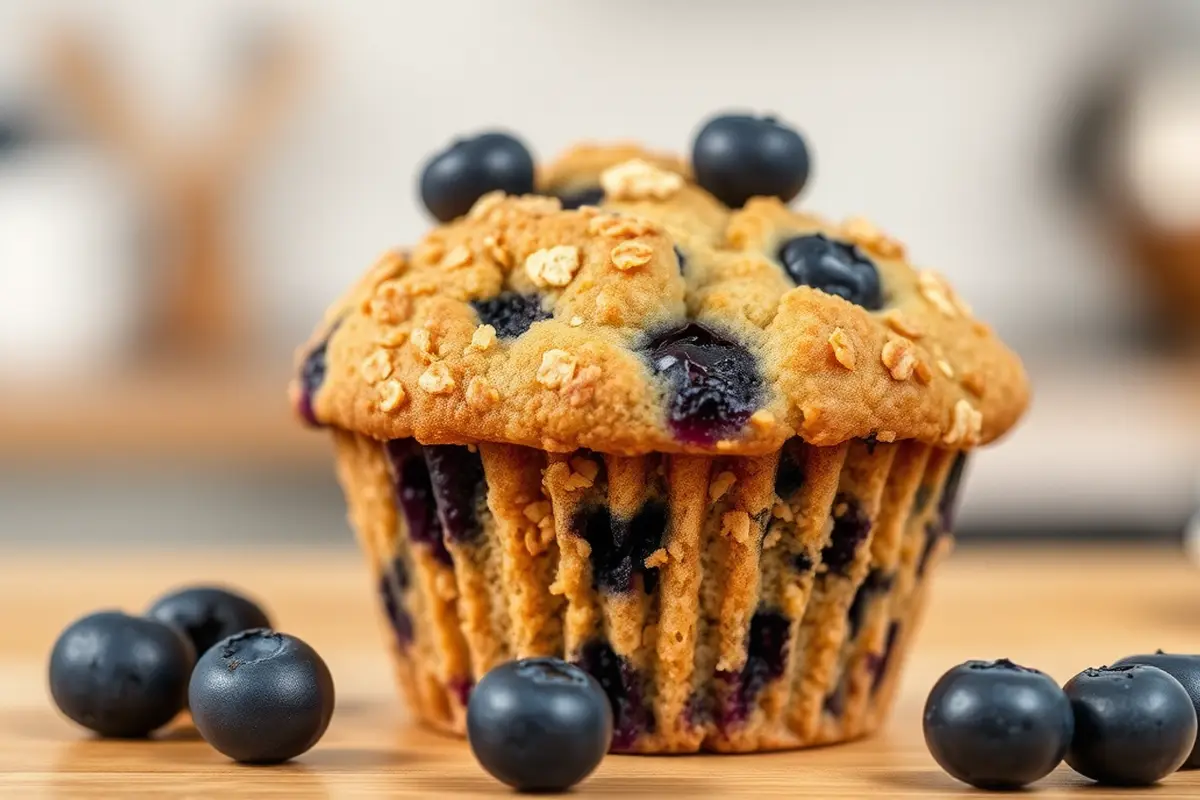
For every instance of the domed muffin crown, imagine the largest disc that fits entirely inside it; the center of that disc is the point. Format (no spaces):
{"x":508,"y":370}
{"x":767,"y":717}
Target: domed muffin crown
{"x":653,"y":317}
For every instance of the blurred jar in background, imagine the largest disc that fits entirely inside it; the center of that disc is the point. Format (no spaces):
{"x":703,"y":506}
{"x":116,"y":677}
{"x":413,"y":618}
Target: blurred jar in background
{"x":69,"y":261}
{"x":1138,"y":148}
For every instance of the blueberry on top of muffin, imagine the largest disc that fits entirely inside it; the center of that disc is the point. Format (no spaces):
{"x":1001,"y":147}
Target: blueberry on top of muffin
{"x":630,"y":302}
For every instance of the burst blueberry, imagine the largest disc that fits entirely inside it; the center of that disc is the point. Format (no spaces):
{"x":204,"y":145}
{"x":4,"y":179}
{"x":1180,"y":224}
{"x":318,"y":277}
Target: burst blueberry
{"x":1134,"y":725}
{"x":766,"y":658}
{"x":208,"y":614}
{"x":119,"y":675}
{"x":713,"y":383}
{"x":414,"y":495}
{"x":510,"y":313}
{"x":468,"y":169}
{"x":539,"y":724}
{"x":736,"y":157}
{"x":851,"y":527}
{"x":456,"y":476}
{"x":261,"y":697}
{"x":997,"y":725}
{"x":833,"y":267}
{"x":623,"y":686}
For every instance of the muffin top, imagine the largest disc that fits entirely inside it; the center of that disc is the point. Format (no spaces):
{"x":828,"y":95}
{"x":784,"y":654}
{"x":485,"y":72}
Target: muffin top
{"x":626,"y":309}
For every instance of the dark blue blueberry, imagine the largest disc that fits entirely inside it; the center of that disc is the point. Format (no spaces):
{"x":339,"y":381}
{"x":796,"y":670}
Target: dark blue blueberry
{"x":1134,"y":725}
{"x":539,"y":724}
{"x":713,"y":383}
{"x":456,"y":475}
{"x":261,"y":697}
{"x":391,"y":591}
{"x":879,"y":661}
{"x":623,"y":685}
{"x":312,"y":377}
{"x":468,"y":169}
{"x":510,"y":313}
{"x":1186,"y":670}
{"x":590,"y":196}
{"x":933,"y":535}
{"x":119,"y":675}
{"x":736,"y":157}
{"x":620,"y":546}
{"x":876,"y":583}
{"x":414,"y":493}
{"x":834,"y":268}
{"x":996,"y":725}
{"x":766,"y":660}
{"x":850,"y":529}
{"x":789,"y":475}
{"x":208,"y":614}
{"x":948,"y":502}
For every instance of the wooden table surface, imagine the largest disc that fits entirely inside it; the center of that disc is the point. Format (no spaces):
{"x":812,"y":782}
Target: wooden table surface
{"x":1059,"y":610}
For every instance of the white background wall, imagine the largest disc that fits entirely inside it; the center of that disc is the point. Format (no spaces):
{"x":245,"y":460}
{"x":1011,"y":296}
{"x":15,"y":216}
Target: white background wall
{"x":936,"y":118}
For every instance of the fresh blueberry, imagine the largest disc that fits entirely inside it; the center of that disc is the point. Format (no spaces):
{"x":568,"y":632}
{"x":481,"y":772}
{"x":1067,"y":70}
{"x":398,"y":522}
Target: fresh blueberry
{"x":261,"y":697}
{"x":996,"y":725}
{"x":208,"y":614}
{"x":1186,"y":670}
{"x":851,"y":526}
{"x":590,"y":196}
{"x":119,"y":675}
{"x":510,"y":313}
{"x":833,"y":267}
{"x":468,"y":169}
{"x":713,"y":383}
{"x":1134,"y":724}
{"x":539,"y":724}
{"x":736,"y":157}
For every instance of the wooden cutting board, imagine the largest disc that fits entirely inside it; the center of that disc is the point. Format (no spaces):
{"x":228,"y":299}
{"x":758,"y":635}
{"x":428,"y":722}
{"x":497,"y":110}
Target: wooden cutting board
{"x":1059,"y":610}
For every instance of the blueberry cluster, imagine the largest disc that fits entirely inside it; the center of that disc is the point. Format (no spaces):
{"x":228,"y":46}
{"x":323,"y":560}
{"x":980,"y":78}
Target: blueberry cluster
{"x":255,"y":695}
{"x":997,"y":725}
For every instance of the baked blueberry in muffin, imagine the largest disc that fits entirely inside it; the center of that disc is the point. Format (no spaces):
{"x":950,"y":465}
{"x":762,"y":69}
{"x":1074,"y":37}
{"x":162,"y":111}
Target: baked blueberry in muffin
{"x":638,"y":414}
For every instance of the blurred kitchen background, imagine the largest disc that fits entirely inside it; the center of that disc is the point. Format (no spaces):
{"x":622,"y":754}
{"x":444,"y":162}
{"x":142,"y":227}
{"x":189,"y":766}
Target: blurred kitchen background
{"x":184,"y":186}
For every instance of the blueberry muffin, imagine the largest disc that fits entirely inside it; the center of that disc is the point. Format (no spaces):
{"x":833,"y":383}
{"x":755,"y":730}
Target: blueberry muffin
{"x":639,"y":414}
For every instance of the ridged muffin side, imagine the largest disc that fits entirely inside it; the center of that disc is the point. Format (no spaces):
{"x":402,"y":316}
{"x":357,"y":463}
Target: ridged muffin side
{"x":727,"y":604}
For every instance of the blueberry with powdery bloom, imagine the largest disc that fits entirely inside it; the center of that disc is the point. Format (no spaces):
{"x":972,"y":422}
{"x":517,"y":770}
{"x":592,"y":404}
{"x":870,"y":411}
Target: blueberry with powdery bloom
{"x":713,"y":383}
{"x":469,"y":168}
{"x":539,"y":724}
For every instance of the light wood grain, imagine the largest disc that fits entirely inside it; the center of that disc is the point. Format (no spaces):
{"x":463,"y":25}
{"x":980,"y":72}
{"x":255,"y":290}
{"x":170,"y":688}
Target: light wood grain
{"x":1060,"y":610}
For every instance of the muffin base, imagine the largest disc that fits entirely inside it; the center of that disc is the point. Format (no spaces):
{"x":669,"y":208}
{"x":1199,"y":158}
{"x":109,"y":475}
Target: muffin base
{"x":726,"y":604}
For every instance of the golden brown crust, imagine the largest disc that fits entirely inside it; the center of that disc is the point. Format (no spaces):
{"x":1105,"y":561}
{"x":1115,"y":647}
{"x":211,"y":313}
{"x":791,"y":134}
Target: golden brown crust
{"x":408,"y":357}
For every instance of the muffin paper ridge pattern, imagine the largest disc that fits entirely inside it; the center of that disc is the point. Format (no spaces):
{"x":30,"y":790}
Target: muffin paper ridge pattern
{"x":726,"y":604}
